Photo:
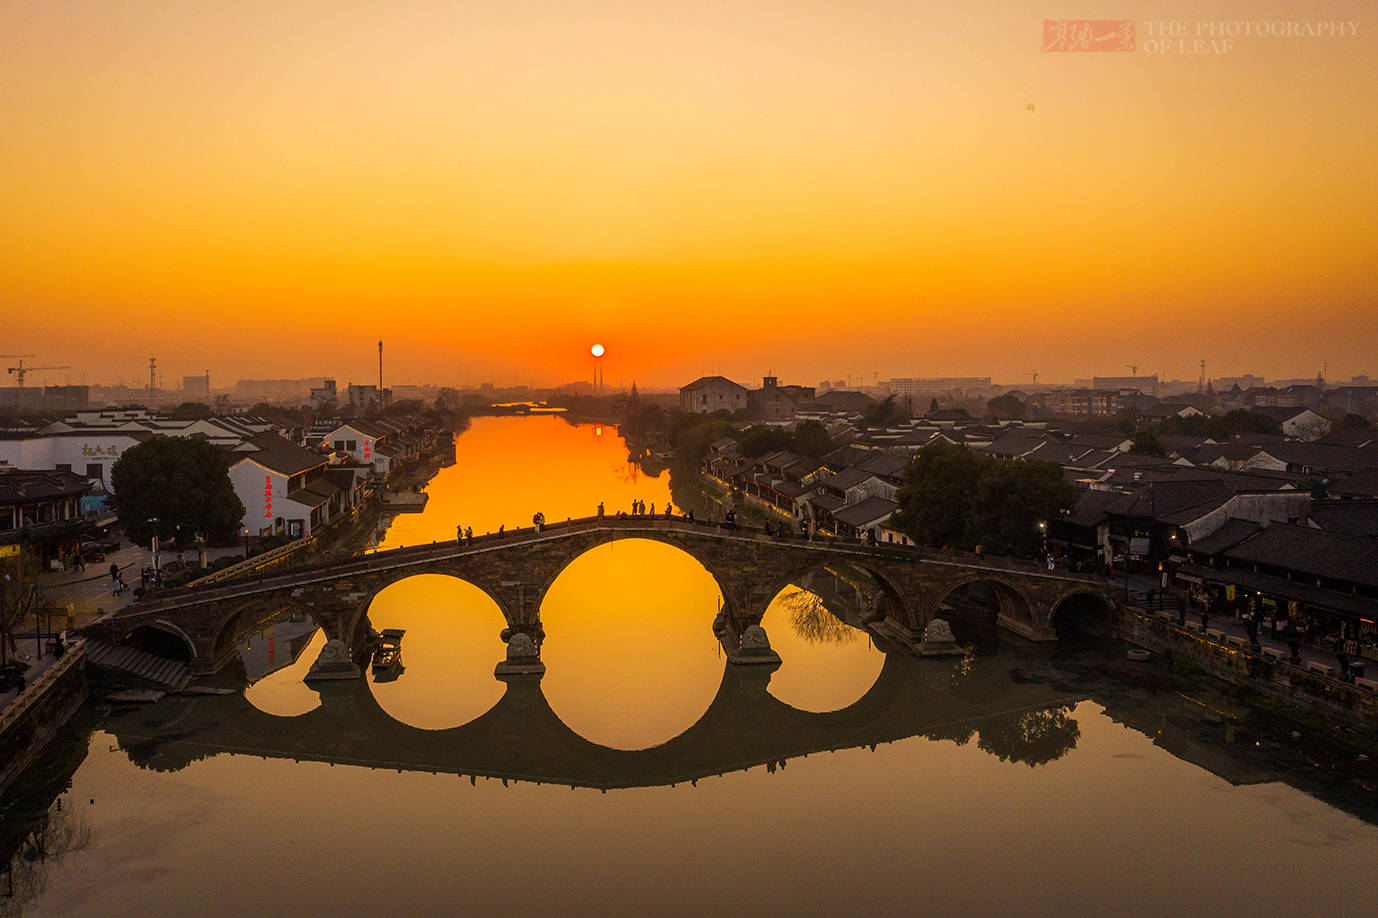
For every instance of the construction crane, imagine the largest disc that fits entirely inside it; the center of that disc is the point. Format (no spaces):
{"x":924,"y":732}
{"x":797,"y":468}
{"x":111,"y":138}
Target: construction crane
{"x":1033,"y":377}
{"x":1133,"y":370}
{"x":21,"y":371}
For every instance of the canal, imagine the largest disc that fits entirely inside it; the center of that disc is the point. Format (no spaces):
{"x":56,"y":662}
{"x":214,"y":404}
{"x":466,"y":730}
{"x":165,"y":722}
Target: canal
{"x":644,"y":775}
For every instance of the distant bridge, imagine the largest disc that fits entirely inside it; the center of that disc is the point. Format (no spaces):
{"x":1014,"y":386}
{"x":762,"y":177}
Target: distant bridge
{"x":516,"y":568}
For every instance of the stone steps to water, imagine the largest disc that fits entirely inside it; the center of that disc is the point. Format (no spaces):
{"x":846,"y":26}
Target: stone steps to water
{"x":171,"y":674}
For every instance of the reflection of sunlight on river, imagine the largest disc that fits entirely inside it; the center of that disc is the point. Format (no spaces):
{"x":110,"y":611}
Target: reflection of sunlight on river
{"x":282,"y":692}
{"x":507,"y":469}
{"x":630,"y":656}
{"x":825,"y":664}
{"x":452,"y":644}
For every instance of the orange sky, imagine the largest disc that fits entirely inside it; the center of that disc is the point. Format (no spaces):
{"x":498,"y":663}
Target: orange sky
{"x":814,"y":188}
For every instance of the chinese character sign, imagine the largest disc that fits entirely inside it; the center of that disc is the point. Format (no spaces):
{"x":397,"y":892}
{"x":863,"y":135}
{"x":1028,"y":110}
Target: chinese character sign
{"x":368,"y":450}
{"x":268,"y":496}
{"x":1088,"y":35}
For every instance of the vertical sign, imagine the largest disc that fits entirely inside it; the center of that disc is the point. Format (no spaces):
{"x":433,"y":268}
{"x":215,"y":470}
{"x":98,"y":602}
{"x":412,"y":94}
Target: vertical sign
{"x":267,"y":496}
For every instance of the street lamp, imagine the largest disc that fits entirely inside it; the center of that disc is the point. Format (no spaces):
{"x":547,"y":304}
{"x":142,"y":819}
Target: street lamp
{"x":154,"y":543}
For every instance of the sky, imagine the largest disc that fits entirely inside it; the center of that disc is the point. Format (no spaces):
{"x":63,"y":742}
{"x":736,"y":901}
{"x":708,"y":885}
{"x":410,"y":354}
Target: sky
{"x":812,"y":189}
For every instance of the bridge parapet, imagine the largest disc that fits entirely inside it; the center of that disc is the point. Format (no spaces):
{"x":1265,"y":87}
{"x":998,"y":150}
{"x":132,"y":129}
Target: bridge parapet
{"x":516,"y":568}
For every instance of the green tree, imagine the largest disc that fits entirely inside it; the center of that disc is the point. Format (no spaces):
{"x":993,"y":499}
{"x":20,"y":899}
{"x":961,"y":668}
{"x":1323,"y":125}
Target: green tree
{"x":192,"y":410}
{"x":690,"y":434}
{"x":884,"y":413}
{"x":935,"y":499}
{"x":952,"y":496}
{"x":1352,"y":421}
{"x":181,"y":482}
{"x":1011,"y":500}
{"x":1146,"y":444}
{"x":1006,"y":406}
{"x":811,"y":439}
{"x":762,"y":440}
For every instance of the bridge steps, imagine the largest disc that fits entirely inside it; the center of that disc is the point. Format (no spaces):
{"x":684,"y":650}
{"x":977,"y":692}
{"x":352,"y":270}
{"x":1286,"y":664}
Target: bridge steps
{"x":169,"y":674}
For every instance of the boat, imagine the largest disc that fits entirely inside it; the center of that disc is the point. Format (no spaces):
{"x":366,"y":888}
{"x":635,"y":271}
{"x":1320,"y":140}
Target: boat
{"x":387,"y":653}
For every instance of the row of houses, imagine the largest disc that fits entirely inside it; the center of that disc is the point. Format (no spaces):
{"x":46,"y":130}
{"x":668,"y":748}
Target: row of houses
{"x":291,"y":480}
{"x":848,"y":493}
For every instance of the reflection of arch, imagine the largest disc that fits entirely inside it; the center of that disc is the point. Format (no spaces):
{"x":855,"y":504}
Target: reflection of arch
{"x":644,"y":536}
{"x":743,"y":727}
{"x":361,"y":611}
{"x":232,"y":630}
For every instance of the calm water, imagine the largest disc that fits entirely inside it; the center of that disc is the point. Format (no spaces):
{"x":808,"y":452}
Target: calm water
{"x":845,"y":782}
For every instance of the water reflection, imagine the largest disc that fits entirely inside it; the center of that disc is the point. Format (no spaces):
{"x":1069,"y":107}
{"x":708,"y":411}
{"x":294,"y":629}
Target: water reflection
{"x":448,"y":653}
{"x":826,"y":663}
{"x":630,"y":655}
{"x":508,"y":468}
{"x":274,"y":661}
{"x":742,"y":724}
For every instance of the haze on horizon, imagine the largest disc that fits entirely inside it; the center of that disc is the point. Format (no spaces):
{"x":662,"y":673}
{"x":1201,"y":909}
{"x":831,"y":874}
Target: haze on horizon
{"x":266,"y":188}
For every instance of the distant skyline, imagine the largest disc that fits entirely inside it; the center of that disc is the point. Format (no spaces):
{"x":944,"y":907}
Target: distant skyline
{"x":263,"y":190}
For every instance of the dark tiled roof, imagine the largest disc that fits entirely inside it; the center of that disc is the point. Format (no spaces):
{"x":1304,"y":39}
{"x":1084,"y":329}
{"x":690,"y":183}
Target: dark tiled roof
{"x":273,"y":452}
{"x":21,"y":486}
{"x":866,"y":511}
{"x":1314,"y":552}
{"x":1355,"y":517}
{"x":1227,"y":536}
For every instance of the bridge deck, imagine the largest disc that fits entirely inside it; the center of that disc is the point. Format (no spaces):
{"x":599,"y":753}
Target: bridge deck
{"x":418,"y":555}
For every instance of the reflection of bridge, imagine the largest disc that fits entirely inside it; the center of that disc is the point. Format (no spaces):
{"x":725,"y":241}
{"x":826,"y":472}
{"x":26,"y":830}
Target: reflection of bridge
{"x":517,"y":568}
{"x":522,"y":738}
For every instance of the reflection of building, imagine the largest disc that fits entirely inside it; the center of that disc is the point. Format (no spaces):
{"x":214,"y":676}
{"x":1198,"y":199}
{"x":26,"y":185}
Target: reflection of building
{"x":277,"y":646}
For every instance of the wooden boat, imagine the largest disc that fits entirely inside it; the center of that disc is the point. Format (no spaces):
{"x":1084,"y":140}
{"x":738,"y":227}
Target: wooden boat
{"x":387,"y":653}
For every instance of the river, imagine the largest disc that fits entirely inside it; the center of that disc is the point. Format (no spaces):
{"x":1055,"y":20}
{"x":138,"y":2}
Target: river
{"x":645,"y":775}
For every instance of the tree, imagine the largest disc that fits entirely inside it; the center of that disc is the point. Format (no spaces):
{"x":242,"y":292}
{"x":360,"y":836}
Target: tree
{"x":884,"y":413}
{"x":192,"y":410}
{"x":1012,"y":504}
{"x":762,"y":440}
{"x":19,"y":595}
{"x":811,"y":439}
{"x":690,"y":434}
{"x":933,"y":406}
{"x":1146,"y":444}
{"x":935,"y":499}
{"x":1006,"y":406}
{"x":954,"y":497}
{"x":1352,"y":421}
{"x":183,"y":483}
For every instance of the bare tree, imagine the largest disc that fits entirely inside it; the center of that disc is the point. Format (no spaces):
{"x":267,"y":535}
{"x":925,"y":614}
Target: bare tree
{"x":20,"y":595}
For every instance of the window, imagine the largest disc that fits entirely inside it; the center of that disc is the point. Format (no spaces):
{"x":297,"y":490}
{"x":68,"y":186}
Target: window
{"x":339,"y":446}
{"x":95,"y":470}
{"x":64,"y":466}
{"x":352,"y":445}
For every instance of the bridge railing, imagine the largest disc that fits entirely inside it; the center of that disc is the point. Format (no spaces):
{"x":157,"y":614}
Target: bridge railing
{"x":382,"y":560}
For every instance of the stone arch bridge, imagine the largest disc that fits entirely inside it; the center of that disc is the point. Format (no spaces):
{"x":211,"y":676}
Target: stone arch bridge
{"x":517,"y":567}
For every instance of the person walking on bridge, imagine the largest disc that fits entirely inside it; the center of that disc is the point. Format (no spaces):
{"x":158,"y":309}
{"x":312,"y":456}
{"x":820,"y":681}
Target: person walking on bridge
{"x":469,"y":535}
{"x":600,"y":510}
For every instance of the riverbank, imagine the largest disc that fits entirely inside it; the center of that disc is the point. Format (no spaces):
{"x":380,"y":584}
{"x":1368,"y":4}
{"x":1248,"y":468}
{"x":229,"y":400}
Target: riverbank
{"x":1263,"y":680}
{"x":39,"y":713}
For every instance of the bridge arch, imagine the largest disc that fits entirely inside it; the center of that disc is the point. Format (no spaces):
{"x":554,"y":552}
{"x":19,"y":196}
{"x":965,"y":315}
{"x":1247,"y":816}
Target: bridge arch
{"x":1012,"y":607}
{"x":583,"y":547}
{"x":162,"y":637}
{"x":356,"y":617}
{"x":1084,"y":605}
